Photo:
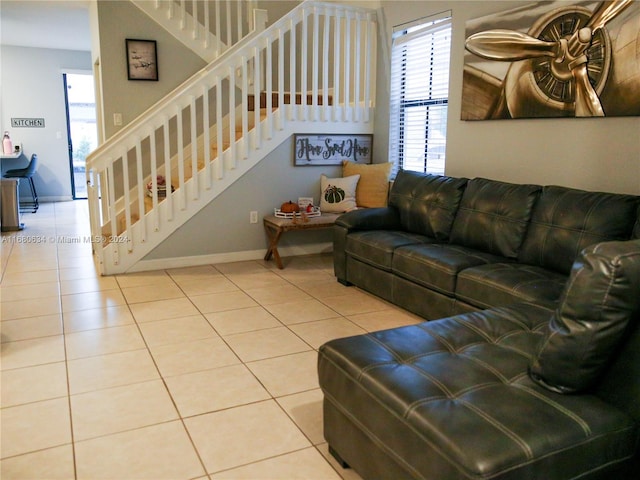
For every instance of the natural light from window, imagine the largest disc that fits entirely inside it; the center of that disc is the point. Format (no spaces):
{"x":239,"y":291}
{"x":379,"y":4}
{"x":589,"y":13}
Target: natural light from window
{"x":419,"y":95}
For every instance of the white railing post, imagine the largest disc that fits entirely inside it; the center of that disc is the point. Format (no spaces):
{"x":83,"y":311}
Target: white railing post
{"x":257,"y":74}
{"x":239,"y":21}
{"x":167,"y":167}
{"x":112,"y":202}
{"x":337,"y":35}
{"x":315,"y":49}
{"x":347,"y":68}
{"x":229,"y":38}
{"x":303,"y":63}
{"x":325,"y":66}
{"x":181,"y":189}
{"x":293,"y":67}
{"x":194,"y":15}
{"x":154,"y":179}
{"x":357,"y":68}
{"x":268,"y":68}
{"x":206,"y":144}
{"x":219,"y":133}
{"x":127,"y":200}
{"x":112,"y":211}
{"x":218,"y":23}
{"x":369,"y":83}
{"x":281,"y":106}
{"x":140,"y":192}
{"x":207,"y":26}
{"x":245,"y":108}
{"x":195,"y":193}
{"x":232,"y":111}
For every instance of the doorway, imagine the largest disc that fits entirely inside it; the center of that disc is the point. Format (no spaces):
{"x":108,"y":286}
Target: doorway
{"x":81,"y":127}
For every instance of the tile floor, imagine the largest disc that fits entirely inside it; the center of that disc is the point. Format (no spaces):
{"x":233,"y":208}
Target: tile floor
{"x":194,"y":373}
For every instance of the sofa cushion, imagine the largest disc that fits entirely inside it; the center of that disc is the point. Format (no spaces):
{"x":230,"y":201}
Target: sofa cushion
{"x":487,"y":286}
{"x":566,"y":220}
{"x":376,"y":247}
{"x":427,"y":204}
{"x":493,"y":216}
{"x":636,"y":229}
{"x":451,"y":399}
{"x":436,"y":266}
{"x":600,"y":305}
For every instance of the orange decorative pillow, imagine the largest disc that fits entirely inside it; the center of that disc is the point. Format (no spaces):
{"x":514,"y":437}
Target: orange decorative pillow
{"x":373,"y":186}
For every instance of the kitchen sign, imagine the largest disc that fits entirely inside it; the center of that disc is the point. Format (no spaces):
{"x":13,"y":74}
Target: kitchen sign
{"x":27,"y":122}
{"x":331,"y":149}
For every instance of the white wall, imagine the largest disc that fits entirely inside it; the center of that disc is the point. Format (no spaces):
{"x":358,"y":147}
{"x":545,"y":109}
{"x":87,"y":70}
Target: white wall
{"x":588,"y":153}
{"x":32,"y":87}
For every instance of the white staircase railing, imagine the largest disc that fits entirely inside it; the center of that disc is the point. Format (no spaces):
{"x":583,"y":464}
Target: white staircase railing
{"x":317,"y":62}
{"x":207,"y":27}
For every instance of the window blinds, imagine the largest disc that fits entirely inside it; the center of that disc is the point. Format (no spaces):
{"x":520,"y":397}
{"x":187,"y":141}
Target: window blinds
{"x":419,"y":96}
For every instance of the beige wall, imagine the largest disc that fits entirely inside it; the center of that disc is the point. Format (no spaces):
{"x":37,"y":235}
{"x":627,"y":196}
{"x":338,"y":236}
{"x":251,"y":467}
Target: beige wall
{"x":593,"y":154}
{"x":32,"y":87}
{"x":119,"y":20}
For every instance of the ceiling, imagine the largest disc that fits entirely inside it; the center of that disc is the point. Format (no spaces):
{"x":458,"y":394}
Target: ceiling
{"x":59,"y":24}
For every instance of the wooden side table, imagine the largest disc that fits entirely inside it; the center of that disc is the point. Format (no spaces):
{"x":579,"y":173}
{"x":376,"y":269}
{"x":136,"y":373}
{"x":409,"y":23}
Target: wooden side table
{"x":276,"y":226}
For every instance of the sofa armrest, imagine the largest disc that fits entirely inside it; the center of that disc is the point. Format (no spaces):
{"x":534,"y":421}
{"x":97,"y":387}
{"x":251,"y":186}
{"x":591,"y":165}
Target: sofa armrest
{"x":382,"y":218}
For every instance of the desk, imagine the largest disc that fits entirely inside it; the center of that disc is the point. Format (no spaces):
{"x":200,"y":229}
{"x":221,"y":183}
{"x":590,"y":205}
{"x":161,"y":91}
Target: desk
{"x":276,"y":226}
{"x":13,"y":156}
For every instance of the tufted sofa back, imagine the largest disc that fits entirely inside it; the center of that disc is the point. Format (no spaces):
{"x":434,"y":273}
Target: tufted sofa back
{"x":427,"y":204}
{"x":493,"y":216}
{"x":567,"y":220}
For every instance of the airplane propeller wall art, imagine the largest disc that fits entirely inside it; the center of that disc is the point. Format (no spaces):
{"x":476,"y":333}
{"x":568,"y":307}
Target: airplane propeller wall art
{"x":554,"y":59}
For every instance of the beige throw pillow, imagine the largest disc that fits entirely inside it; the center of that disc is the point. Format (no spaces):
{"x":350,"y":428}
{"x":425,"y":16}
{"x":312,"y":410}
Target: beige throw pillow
{"x":373,"y":186}
{"x":338,"y":194}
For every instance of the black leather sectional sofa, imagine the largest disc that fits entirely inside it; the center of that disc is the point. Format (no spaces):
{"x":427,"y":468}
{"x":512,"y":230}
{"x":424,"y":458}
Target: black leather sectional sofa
{"x":537,"y":373}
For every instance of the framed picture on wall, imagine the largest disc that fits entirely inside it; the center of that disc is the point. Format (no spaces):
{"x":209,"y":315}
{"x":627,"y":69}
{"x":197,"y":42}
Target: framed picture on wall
{"x":142,"y":60}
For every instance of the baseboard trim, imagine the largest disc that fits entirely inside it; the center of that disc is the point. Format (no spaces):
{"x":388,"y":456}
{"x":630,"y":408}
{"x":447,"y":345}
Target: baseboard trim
{"x":197,"y":260}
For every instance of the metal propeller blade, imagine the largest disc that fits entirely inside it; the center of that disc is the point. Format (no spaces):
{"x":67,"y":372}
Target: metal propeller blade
{"x":587,"y":102}
{"x":509,"y":45}
{"x":605,"y":12}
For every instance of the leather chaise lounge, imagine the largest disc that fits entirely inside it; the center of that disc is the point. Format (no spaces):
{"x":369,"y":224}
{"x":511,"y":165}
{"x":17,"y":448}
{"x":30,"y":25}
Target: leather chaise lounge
{"x":534,"y":371}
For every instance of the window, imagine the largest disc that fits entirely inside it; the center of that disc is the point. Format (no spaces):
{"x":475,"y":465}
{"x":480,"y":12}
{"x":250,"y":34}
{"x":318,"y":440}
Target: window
{"x":419,"y":95}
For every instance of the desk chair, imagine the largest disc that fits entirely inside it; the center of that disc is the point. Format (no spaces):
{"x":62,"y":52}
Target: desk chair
{"x":27,"y":173}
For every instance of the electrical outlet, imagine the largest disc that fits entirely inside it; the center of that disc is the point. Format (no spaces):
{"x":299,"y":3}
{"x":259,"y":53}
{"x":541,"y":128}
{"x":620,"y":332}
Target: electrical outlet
{"x":117,"y":119}
{"x":253,"y":217}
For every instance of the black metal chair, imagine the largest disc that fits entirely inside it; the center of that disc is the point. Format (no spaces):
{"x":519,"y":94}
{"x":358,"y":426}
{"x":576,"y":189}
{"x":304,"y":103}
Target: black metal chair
{"x":27,"y":173}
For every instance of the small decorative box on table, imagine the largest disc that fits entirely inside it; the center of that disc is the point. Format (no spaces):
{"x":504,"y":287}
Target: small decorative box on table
{"x":275,"y":225}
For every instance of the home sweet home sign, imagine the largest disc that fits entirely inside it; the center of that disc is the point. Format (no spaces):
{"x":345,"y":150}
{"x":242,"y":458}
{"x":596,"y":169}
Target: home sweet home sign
{"x":331,"y":149}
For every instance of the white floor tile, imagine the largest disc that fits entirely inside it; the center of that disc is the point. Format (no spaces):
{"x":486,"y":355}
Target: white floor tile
{"x":123,"y":366}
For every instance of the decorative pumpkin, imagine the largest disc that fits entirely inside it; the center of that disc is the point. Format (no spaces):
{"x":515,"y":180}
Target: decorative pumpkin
{"x":334,"y":194}
{"x":289,"y":207}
